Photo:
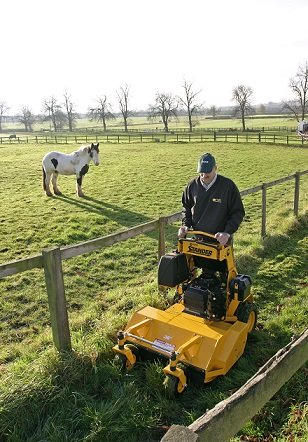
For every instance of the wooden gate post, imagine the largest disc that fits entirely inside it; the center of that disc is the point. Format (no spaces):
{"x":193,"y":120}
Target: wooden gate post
{"x":296,"y":194}
{"x":161,"y":237}
{"x":56,"y":298}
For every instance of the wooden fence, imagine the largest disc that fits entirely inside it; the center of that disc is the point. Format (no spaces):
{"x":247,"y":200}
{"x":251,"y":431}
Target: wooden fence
{"x":172,"y":136}
{"x":51,"y":258}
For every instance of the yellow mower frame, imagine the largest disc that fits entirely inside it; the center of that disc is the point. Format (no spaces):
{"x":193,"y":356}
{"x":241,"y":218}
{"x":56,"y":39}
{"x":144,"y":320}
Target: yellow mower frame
{"x":210,"y":347}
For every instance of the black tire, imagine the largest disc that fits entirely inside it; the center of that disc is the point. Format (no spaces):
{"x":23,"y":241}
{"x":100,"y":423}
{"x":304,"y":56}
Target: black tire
{"x":247,"y":312}
{"x":172,"y":385}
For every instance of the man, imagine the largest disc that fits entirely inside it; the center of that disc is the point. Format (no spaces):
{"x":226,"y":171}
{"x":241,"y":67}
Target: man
{"x":211,"y":203}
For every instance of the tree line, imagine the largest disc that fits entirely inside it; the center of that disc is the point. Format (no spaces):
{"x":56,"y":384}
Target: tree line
{"x":165,"y":107}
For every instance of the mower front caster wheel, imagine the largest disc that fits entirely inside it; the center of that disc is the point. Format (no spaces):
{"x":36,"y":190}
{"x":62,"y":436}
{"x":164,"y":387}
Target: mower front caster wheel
{"x":123,"y":363}
{"x":173,"y":386}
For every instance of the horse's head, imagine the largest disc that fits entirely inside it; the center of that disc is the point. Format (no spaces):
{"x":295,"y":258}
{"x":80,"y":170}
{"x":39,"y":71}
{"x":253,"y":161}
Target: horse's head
{"x":94,"y":153}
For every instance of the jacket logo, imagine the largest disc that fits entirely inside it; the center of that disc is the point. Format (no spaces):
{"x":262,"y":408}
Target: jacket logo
{"x":216,"y":200}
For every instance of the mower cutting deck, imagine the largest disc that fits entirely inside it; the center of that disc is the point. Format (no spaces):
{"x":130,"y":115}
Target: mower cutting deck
{"x":206,"y":328}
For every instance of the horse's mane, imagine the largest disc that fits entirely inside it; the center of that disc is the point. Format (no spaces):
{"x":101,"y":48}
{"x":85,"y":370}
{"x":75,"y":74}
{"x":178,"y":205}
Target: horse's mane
{"x":81,"y":150}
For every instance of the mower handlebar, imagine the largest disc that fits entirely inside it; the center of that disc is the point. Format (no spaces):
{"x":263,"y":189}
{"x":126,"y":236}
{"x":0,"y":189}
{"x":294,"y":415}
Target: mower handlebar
{"x":200,"y":232}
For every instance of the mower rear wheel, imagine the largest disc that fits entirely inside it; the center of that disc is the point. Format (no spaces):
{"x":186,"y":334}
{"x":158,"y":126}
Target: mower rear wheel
{"x":123,"y":363}
{"x":247,"y":312}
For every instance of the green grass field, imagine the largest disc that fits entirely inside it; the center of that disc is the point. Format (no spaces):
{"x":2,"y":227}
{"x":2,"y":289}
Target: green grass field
{"x":83,"y":396}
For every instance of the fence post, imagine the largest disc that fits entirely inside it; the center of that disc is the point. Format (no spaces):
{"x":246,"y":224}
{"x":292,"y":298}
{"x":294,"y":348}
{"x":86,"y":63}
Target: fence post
{"x":161,"y":236}
{"x":214,"y":133}
{"x":263,"y":227}
{"x":259,"y":137}
{"x":56,"y":298}
{"x":296,"y":194}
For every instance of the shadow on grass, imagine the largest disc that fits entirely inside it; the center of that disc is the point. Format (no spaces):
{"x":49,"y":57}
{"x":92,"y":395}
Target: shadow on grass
{"x":118,"y":214}
{"x":74,"y":398}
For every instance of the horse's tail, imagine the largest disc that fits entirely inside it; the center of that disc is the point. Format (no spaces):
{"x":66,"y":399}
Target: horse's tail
{"x":44,"y":178}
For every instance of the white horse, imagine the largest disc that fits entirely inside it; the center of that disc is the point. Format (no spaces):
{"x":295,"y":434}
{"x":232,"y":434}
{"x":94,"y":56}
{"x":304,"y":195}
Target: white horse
{"x":75,"y":163}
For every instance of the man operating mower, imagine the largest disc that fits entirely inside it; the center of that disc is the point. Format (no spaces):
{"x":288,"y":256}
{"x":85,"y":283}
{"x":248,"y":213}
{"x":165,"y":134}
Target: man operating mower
{"x":211,"y":203}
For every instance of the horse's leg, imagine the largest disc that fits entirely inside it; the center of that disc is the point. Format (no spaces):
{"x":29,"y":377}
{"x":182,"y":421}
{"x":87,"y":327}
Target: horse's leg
{"x":54,"y":183}
{"x":78,"y":186}
{"x":79,"y":177}
{"x":46,"y":182}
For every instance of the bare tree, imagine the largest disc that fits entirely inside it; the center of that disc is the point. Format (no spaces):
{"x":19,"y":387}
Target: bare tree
{"x":55,"y":115}
{"x":102,"y":112}
{"x":165,"y":107}
{"x":70,"y":114}
{"x":26,"y":118}
{"x":241,"y":94}
{"x":213,"y":110}
{"x":123,"y":99}
{"x":3,"y":109}
{"x":299,"y":86}
{"x":190,"y":103}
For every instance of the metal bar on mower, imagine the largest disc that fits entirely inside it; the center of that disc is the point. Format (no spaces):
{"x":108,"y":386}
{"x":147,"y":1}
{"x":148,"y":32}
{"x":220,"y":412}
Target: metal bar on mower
{"x":146,"y":341}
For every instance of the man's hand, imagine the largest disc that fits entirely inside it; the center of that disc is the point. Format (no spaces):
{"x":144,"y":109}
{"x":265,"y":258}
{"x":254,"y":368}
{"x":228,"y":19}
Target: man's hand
{"x":222,"y":237}
{"x":182,"y":232}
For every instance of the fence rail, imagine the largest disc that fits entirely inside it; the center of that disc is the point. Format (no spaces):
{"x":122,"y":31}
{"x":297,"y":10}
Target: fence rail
{"x":172,"y":136}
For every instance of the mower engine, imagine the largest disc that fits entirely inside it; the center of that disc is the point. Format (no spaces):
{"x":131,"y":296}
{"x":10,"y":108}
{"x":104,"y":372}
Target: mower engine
{"x":206,"y":296}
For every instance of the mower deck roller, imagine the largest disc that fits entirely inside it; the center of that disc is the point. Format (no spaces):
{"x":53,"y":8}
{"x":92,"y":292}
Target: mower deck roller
{"x":207,"y":326}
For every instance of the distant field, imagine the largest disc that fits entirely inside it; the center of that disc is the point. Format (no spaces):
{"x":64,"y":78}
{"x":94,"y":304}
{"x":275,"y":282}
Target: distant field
{"x":142,"y":123}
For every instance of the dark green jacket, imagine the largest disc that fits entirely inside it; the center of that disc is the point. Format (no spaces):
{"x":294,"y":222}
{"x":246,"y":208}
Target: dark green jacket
{"x":219,"y":209}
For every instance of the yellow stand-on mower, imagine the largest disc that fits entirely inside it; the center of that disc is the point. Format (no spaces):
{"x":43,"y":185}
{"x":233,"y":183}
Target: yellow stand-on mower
{"x":205,"y":331}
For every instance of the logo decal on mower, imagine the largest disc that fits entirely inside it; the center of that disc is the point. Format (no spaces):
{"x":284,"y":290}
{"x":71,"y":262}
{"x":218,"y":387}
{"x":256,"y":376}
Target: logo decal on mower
{"x":163,"y":345}
{"x":199,"y":251}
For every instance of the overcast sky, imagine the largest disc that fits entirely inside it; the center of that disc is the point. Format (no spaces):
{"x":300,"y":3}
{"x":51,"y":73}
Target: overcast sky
{"x":93,"y":47}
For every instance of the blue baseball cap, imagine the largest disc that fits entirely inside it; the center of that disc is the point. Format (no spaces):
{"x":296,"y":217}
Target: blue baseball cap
{"x":206,"y":163}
